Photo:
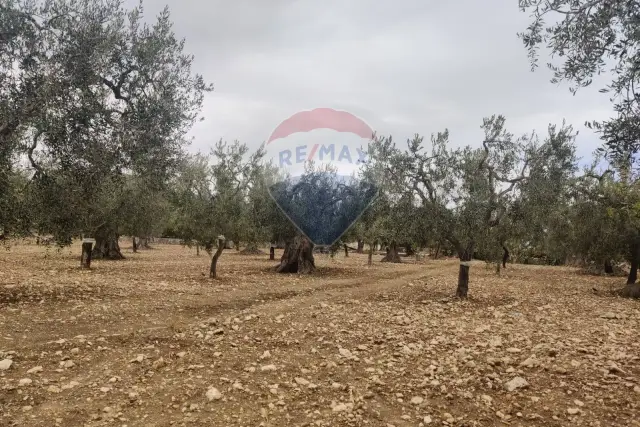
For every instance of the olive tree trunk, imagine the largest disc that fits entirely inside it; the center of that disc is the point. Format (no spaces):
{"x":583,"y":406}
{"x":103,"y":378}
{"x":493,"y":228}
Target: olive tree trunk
{"x":465,"y":255}
{"x":392,"y":253}
{"x":409,"y":251}
{"x":143,"y":243}
{"x":85,"y":258}
{"x":107,"y":246}
{"x":297,"y":257}
{"x":505,"y":256}
{"x":214,"y":258}
{"x":360,"y":249}
{"x":632,"y":289}
{"x":333,"y":249}
{"x":608,"y":267}
{"x":251,"y":249}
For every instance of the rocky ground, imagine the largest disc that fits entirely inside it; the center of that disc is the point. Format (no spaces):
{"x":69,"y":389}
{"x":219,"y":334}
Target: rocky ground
{"x":151,"y":341}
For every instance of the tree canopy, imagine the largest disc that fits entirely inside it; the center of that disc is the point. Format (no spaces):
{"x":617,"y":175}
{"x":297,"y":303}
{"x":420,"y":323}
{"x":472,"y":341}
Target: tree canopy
{"x":589,"y":38}
{"x":89,"y":93}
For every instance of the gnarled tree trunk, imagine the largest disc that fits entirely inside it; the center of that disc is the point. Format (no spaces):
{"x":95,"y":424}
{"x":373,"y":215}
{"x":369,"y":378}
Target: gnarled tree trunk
{"x":505,"y":256}
{"x":465,"y":255}
{"x":608,"y":268}
{"x":333,"y":249}
{"x":85,"y":258}
{"x":635,"y":260}
{"x":346,"y":251}
{"x":143,"y":243}
{"x":135,"y":244}
{"x":370,"y":257}
{"x":360,"y":249}
{"x":107,"y":246}
{"x":392,"y":253}
{"x":251,"y":249}
{"x":272,"y":253}
{"x":297,"y":257}
{"x":632,"y":289}
{"x":408,"y":249}
{"x":214,"y":258}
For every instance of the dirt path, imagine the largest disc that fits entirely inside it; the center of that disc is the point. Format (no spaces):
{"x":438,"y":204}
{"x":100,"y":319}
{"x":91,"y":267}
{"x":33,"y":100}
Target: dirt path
{"x":113,"y":311}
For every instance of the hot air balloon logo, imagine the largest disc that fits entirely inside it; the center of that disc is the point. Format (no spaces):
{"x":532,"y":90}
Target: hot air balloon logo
{"x":320,"y":155}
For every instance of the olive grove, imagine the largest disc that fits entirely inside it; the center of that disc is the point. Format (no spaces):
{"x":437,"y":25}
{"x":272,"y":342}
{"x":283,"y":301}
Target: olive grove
{"x":96,"y":107}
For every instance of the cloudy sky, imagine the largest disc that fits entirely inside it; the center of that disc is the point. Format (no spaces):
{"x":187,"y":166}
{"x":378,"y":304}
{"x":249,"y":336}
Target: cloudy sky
{"x":404,"y":66}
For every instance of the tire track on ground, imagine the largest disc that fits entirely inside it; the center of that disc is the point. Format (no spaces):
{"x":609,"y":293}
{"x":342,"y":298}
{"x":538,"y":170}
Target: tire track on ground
{"x":270,"y":302}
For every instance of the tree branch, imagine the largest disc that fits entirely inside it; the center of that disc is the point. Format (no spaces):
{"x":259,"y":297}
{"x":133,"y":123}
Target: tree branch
{"x":485,"y":155}
{"x":572,"y":11}
{"x":31,"y":149}
{"x":116,"y":88}
{"x":11,"y":125}
{"x":599,"y":178}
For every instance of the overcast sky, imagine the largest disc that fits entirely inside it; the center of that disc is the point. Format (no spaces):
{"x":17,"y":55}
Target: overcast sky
{"x":404,"y":66}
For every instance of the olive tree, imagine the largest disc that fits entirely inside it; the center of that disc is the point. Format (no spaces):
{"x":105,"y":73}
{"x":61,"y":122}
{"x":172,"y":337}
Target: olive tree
{"x":466,"y":191}
{"x":606,"y":222}
{"x":89,"y":94}
{"x":211,"y":196}
{"x":588,"y":38}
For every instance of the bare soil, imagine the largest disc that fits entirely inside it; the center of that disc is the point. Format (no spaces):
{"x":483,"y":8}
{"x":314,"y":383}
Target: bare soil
{"x":144,"y":341}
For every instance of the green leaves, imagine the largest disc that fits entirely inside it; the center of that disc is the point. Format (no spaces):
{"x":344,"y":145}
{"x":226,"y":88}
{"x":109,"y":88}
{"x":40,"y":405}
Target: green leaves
{"x":97,"y":95}
{"x":222,"y":194}
{"x":590,"y":38}
{"x":478,"y":197}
